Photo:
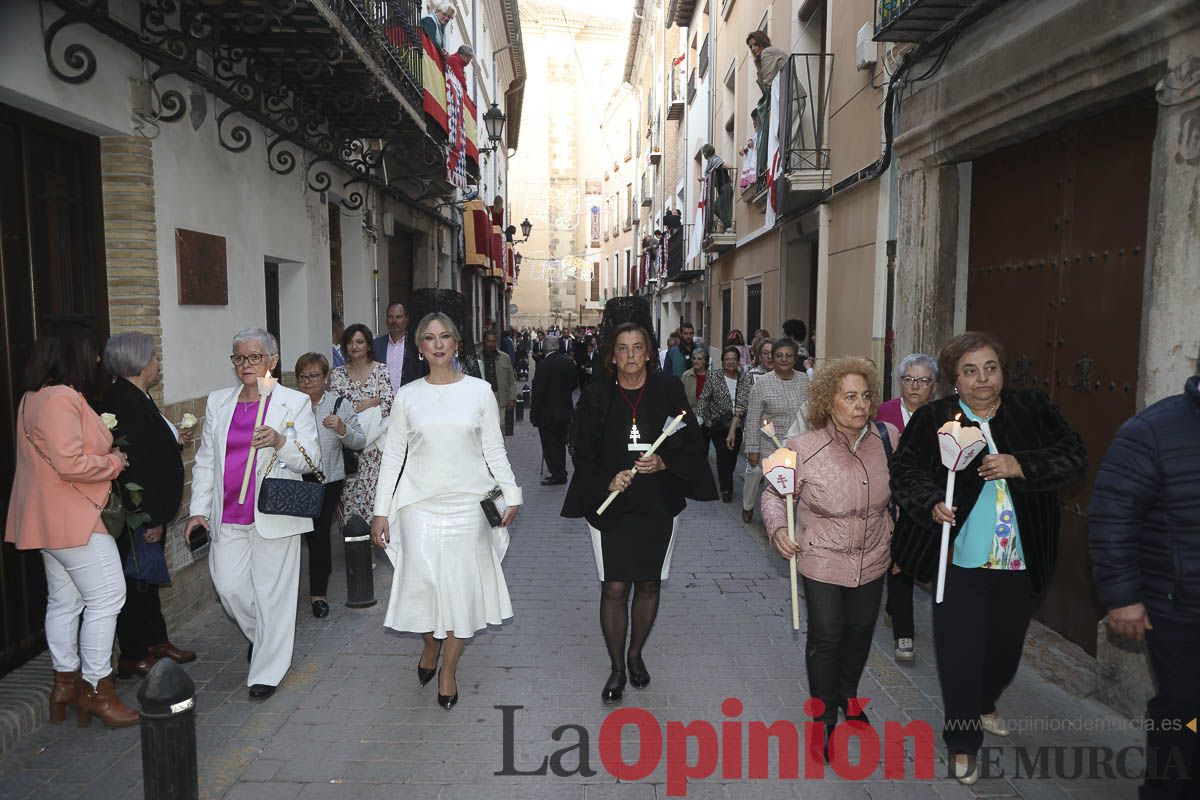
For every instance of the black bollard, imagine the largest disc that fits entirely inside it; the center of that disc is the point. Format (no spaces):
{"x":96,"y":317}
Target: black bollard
{"x":509,"y":414}
{"x":520,"y":406}
{"x":524,"y":400}
{"x":360,"y":580}
{"x":168,"y":709}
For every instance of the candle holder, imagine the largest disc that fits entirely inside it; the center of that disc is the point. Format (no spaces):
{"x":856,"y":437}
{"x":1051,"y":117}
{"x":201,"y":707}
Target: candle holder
{"x":959,"y":446}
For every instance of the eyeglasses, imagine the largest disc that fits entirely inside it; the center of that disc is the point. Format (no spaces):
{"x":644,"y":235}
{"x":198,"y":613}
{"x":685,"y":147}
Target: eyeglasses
{"x":909,"y":380}
{"x":307,"y":377}
{"x":253,"y":358}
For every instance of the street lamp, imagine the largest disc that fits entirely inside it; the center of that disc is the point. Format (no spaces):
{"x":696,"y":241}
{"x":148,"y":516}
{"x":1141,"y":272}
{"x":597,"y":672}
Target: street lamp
{"x":493,"y":120}
{"x":526,"y":228}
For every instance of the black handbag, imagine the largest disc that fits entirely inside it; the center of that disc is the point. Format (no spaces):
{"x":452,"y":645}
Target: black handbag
{"x":288,"y":498}
{"x":349,"y":457}
{"x":494,"y":507}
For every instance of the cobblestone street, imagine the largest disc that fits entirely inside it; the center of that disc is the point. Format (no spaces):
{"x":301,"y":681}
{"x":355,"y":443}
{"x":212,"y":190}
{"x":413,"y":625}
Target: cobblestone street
{"x":350,"y":720}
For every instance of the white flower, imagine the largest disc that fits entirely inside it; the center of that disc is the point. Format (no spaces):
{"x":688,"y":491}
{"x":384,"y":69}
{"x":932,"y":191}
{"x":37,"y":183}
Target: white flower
{"x":188,"y":422}
{"x":110,"y":420}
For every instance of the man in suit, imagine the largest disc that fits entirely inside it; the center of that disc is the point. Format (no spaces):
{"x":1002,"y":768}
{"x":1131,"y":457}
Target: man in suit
{"x":394,"y":349}
{"x":497,"y":369}
{"x":336,"y":358}
{"x":550,"y":407}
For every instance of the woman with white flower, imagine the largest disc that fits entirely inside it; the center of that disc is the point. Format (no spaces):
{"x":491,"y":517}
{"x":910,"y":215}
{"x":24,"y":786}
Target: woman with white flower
{"x":153,"y":445}
{"x":65,"y":466}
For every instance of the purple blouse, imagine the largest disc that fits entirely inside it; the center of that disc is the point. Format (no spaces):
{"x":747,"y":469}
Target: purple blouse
{"x":237,"y":451}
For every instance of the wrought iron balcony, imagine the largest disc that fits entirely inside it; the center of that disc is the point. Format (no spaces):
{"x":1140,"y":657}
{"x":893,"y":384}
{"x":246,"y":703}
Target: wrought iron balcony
{"x":719,"y":233}
{"x":675,"y":103}
{"x":915,"y":20}
{"x":390,"y":29}
{"x":804,"y":132}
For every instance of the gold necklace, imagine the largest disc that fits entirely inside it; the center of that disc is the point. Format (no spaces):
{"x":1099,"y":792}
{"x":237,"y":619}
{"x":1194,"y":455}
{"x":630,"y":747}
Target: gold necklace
{"x":991,"y":412}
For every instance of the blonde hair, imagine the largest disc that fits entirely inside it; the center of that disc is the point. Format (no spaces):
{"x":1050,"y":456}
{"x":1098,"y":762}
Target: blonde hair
{"x":827,"y":381}
{"x":436,"y":316}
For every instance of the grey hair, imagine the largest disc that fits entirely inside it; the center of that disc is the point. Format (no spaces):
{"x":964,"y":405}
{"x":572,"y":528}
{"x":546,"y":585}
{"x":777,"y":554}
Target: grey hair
{"x":127,"y":354}
{"x":466,"y":51}
{"x":918,"y":360}
{"x":550,"y":344}
{"x":436,"y":316}
{"x":263,"y":337}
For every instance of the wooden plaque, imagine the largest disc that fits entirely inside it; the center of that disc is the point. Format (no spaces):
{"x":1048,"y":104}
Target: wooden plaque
{"x":203,"y":268}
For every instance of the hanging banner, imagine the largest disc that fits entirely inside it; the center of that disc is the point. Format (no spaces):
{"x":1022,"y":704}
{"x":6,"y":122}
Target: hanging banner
{"x":456,"y":131}
{"x":433,"y":82}
{"x":477,"y":235}
{"x":774,"y":167}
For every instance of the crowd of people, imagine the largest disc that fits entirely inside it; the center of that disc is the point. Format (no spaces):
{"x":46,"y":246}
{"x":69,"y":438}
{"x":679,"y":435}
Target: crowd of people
{"x":396,"y":431}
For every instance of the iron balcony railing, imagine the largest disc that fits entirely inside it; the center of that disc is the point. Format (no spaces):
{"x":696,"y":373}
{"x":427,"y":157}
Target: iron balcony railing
{"x":804,"y":134}
{"x":691,"y":87}
{"x":915,"y":20}
{"x":391,"y":32}
{"x":702,"y":61}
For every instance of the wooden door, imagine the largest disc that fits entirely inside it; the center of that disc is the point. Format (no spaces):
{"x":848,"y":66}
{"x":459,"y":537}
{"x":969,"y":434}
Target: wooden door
{"x":1057,"y":260}
{"x":51,"y":265}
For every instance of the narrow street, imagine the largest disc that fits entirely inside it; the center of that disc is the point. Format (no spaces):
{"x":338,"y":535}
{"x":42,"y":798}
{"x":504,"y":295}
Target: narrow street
{"x":350,"y":721}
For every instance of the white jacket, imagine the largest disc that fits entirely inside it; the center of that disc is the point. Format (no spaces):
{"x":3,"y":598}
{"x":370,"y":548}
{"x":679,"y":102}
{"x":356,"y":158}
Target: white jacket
{"x":208,"y":478}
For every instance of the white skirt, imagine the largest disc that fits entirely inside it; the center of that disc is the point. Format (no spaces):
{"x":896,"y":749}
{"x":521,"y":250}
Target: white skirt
{"x":447,"y":569}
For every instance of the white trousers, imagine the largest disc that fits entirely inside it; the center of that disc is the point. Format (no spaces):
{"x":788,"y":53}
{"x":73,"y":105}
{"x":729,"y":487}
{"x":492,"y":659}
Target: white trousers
{"x":751,"y":486}
{"x":257,"y":580}
{"x":86,"y":581}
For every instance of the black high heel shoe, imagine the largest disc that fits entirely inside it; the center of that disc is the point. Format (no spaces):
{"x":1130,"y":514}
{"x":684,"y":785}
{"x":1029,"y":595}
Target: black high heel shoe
{"x":639,"y":676}
{"x":614,"y":688}
{"x":447,"y":701}
{"x":425,"y":675}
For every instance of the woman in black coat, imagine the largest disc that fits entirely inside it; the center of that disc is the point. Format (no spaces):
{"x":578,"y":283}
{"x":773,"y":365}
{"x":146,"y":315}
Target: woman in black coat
{"x":619,"y":416}
{"x":155,"y":464}
{"x":1004,"y":530}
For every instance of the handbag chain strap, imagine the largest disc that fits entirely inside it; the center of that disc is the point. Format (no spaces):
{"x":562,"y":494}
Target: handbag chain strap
{"x":311,"y":465}
{"x":46,"y":458}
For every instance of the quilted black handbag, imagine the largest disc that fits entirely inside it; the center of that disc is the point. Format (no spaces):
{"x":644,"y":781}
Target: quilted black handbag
{"x":290,"y":498}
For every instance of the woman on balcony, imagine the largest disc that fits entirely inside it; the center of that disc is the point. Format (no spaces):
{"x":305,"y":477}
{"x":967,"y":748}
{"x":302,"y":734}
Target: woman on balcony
{"x":719,"y":187}
{"x":768,"y":61}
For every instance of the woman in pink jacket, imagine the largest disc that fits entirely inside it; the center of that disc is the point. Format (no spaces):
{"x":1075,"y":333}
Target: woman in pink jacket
{"x":65,"y":467}
{"x":843,"y":530}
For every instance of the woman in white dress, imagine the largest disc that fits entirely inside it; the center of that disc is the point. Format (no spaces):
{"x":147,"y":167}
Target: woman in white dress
{"x":443,"y":452}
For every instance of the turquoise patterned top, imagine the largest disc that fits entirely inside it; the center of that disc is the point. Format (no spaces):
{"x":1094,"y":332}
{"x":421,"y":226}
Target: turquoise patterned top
{"x":989,"y":538}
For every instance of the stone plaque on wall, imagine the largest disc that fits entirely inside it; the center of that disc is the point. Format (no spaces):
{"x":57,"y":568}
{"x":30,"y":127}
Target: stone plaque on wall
{"x":203,"y":269}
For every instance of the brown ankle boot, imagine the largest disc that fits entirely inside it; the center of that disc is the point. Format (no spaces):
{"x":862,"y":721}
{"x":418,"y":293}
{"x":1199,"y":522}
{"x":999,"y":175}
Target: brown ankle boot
{"x":65,"y":693}
{"x":104,"y":703}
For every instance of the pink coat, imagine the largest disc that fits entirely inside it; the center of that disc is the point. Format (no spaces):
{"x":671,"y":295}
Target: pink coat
{"x":842,"y":521}
{"x":44,"y":511}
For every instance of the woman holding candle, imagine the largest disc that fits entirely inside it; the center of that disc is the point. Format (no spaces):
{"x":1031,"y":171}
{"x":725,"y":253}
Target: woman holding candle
{"x":842,"y":530}
{"x":776,"y":397}
{"x":255,"y":557}
{"x":444,"y":451}
{"x":1004,"y":530}
{"x":366,"y":383}
{"x":722,"y":406}
{"x":918,"y":376}
{"x":618,"y":419}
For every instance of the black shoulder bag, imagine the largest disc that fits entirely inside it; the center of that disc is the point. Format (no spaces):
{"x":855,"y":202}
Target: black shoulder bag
{"x":289,"y":498}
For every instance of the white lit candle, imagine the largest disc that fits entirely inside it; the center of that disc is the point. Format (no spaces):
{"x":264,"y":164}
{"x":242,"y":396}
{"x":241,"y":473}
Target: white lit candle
{"x":779,"y":469}
{"x":667,"y":431}
{"x":266,"y":385}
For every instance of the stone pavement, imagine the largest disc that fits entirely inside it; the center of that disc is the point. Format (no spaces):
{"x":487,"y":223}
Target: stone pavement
{"x":351,"y":721}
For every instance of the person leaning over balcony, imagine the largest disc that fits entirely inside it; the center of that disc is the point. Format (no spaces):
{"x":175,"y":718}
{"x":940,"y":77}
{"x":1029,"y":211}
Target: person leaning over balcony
{"x":434,"y":23}
{"x":1004,"y":523}
{"x":717,"y":177}
{"x":65,"y":466}
{"x":156,"y":464}
{"x":337,"y":428}
{"x":721,"y":407}
{"x":1144,"y":540}
{"x":775,"y":397}
{"x":918,"y":374}
{"x":768,"y":61}
{"x":843,"y":530}
{"x":255,"y":557}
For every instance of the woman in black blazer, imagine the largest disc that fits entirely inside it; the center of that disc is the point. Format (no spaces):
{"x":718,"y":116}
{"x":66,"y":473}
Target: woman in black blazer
{"x":155,"y":464}
{"x":618,"y":417}
{"x":1004,"y":530}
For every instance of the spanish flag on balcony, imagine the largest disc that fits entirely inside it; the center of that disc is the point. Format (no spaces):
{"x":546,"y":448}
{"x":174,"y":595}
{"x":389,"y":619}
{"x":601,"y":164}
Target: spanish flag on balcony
{"x":446,"y":104}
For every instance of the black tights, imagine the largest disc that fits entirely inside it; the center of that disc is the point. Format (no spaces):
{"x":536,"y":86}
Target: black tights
{"x":614,"y":617}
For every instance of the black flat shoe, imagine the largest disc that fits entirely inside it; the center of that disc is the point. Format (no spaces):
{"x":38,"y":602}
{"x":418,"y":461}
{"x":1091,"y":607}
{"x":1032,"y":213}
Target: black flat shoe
{"x":260,"y":691}
{"x":861,"y":716}
{"x":553,"y":481}
{"x":447,"y":701}
{"x":639,"y":676}
{"x":726,"y":497}
{"x":320,"y":609}
{"x":829,"y":726}
{"x":614,"y":688}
